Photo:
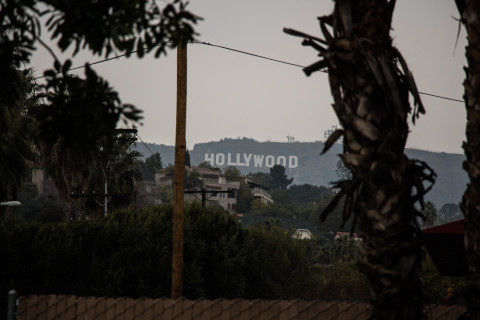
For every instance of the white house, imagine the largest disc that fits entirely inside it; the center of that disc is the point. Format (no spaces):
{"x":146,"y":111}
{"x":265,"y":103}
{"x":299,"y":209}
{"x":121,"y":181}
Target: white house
{"x":303,"y":234}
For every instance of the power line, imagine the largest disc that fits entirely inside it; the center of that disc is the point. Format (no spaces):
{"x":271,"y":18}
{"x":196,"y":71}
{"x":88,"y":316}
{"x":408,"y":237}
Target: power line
{"x":163,"y":164}
{"x":440,"y":97}
{"x":248,"y":53}
{"x":241,"y":52}
{"x":300,"y":66}
{"x":94,"y":63}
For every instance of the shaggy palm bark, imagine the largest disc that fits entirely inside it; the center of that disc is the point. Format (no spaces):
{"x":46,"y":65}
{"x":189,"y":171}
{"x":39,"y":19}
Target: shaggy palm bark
{"x":370,"y":84}
{"x":470,"y":11}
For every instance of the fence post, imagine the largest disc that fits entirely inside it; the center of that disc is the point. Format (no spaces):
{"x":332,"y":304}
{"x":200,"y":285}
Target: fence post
{"x":12,"y":303}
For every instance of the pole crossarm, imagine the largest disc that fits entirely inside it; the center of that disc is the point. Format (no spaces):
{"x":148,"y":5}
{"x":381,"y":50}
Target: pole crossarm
{"x":204,"y":192}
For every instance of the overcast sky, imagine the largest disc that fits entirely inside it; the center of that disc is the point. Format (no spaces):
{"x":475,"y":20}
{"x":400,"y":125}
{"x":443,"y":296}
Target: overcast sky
{"x":234,"y":95}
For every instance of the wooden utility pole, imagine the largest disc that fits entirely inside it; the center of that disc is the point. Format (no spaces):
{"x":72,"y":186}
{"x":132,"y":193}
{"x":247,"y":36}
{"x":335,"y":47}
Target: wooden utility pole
{"x":178,"y":179}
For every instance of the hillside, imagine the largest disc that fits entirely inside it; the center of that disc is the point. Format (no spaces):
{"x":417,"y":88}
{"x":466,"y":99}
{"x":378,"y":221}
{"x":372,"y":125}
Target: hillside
{"x":302,"y":161}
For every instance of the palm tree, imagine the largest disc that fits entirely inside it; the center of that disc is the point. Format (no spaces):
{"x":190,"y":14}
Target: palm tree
{"x":470,"y":11}
{"x":72,"y":121}
{"x":370,"y":83}
{"x":117,"y":164}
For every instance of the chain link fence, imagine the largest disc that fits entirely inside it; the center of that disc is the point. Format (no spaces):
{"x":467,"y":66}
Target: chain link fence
{"x":67,"y":307}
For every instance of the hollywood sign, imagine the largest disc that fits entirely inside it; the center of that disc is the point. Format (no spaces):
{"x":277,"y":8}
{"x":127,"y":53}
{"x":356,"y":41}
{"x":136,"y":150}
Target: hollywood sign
{"x":248,"y":160}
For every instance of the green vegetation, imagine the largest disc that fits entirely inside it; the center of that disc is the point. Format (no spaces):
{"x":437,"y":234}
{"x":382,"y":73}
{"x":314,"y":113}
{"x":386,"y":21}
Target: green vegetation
{"x":63,"y":123}
{"x":449,"y":212}
{"x":129,"y":254}
{"x":69,"y":127}
{"x":429,"y":215}
{"x":244,"y":198}
{"x":154,"y":162}
{"x":297,"y":201}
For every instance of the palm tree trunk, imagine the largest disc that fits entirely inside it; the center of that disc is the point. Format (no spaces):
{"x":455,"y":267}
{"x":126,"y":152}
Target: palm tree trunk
{"x":470,"y":11}
{"x":370,"y":83}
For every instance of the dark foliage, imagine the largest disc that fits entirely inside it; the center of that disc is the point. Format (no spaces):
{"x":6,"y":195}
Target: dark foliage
{"x":129,"y":254}
{"x":307,"y":193}
{"x":279,"y":178}
{"x":75,"y":113}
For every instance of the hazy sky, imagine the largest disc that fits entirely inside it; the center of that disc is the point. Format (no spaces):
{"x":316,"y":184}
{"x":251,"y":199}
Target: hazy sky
{"x":234,"y":95}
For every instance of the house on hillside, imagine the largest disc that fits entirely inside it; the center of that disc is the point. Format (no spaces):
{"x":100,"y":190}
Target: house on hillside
{"x":37,"y":184}
{"x":303,"y":234}
{"x":227,"y":190}
{"x":146,"y":190}
{"x":260,"y":193}
{"x":215,"y":187}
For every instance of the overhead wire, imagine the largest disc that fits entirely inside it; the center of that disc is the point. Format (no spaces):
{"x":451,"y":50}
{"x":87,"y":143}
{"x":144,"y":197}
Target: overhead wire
{"x":248,"y":53}
{"x":300,"y":66}
{"x":94,"y":63}
{"x":161,"y":162}
{"x":241,"y":52}
{"x":441,"y":97}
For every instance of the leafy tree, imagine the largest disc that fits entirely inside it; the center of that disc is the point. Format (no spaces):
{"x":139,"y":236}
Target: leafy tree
{"x":154,"y":162}
{"x":71,"y":125}
{"x":344,"y":281}
{"x":99,"y":257}
{"x":218,"y":250}
{"x":165,"y":194}
{"x":333,"y":222}
{"x":279,"y":178}
{"x":122,"y":173}
{"x":170,"y":171}
{"x":258,"y":205}
{"x":435,"y":285}
{"x":37,"y":207}
{"x":429,"y":213}
{"x":232,"y":173}
{"x":140,"y":25}
{"x":342,"y":249}
{"x":206,"y":164}
{"x":307,"y":193}
{"x":193,"y":179}
{"x":77,"y":112}
{"x":244,"y":198}
{"x":15,"y":136}
{"x":261,"y":178}
{"x":272,"y":223}
{"x":273,"y":210}
{"x":277,"y":266}
{"x":370,"y":83}
{"x":281,"y":196}
{"x":449,"y":212}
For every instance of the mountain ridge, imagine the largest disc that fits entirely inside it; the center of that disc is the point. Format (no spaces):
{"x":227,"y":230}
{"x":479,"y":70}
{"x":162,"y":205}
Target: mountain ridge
{"x":304,"y":163}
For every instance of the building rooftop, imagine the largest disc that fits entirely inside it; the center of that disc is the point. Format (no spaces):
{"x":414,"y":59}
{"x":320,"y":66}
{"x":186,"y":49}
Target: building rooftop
{"x":445,"y":245}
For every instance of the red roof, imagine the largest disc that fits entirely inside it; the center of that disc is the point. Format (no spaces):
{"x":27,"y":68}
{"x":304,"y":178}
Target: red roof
{"x":452,"y":227}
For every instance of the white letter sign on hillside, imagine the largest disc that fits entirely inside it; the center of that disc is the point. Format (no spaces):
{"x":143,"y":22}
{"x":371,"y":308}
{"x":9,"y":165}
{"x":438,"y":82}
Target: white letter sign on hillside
{"x":245,"y":160}
{"x":220,"y":159}
{"x":269,"y":161}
